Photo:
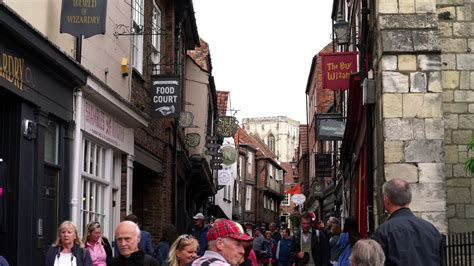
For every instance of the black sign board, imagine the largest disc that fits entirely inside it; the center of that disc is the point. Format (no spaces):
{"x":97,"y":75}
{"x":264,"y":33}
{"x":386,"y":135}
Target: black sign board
{"x":83,"y":17}
{"x":165,"y":96}
{"x":323,"y":164}
{"x":330,"y":127}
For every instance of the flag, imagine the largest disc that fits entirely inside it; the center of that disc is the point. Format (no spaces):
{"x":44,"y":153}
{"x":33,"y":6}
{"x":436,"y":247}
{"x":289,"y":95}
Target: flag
{"x":294,"y":190}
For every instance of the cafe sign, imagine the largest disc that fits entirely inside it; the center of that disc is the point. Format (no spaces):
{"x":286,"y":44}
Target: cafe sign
{"x":165,"y":96}
{"x":83,"y":17}
{"x":336,"y":69}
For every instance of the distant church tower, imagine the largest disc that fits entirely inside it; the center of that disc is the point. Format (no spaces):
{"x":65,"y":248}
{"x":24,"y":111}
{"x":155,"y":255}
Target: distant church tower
{"x":280,"y":133}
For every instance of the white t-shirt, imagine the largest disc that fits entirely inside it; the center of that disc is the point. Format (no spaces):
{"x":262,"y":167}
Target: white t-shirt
{"x":65,"y":259}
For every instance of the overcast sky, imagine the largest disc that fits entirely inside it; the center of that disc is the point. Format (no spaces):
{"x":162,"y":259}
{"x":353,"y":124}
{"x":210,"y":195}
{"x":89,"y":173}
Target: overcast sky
{"x":261,"y":51}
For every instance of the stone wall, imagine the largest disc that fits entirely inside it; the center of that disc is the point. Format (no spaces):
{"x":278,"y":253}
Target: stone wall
{"x":456,"y":27}
{"x":410,"y":111}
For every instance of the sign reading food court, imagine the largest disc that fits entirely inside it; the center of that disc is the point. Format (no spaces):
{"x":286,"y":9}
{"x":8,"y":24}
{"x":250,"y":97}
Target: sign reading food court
{"x":165,"y":96}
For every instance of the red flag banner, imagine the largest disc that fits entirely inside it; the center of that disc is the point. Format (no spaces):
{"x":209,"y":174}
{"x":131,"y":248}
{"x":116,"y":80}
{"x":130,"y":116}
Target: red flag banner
{"x":336,"y":69}
{"x":294,"y":190}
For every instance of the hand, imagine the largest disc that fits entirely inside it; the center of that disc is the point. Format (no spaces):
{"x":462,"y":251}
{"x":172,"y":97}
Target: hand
{"x":300,"y":254}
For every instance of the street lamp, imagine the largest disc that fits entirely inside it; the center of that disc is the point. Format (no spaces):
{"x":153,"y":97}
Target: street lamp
{"x":342,"y":30}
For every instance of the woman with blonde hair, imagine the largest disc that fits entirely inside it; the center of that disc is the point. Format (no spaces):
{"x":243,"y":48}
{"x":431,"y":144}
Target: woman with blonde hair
{"x":98,"y":246}
{"x":183,"y":250}
{"x":68,"y":248}
{"x":367,"y":252}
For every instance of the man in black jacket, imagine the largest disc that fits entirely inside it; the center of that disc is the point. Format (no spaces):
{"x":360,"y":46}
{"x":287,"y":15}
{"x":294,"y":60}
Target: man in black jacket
{"x":405,"y":238}
{"x":310,"y":246}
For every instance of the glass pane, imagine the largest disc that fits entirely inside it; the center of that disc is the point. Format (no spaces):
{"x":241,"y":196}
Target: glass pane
{"x":84,"y":155}
{"x":51,"y":142}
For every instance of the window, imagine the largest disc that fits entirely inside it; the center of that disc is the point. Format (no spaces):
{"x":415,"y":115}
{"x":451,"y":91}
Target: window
{"x":137,"y":46}
{"x":156,"y":36}
{"x":249,"y":163}
{"x":51,"y":142}
{"x":286,"y":200}
{"x":248,"y":198}
{"x":271,"y":142}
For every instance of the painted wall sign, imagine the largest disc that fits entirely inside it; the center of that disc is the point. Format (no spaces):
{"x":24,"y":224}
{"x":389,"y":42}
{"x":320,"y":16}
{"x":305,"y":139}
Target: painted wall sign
{"x":192,"y":139}
{"x":336,"y":69}
{"x":165,"y":97}
{"x":104,"y":127}
{"x":83,"y":17}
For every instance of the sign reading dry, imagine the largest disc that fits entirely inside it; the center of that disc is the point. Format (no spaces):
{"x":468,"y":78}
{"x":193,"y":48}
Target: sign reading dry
{"x":336,"y":69}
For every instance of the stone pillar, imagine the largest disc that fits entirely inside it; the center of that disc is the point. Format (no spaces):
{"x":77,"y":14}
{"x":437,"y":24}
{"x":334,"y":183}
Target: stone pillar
{"x":456,"y":26}
{"x":410,"y":97}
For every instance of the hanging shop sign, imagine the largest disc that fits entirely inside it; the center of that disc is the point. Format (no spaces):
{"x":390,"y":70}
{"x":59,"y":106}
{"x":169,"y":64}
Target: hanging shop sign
{"x":224,"y":177}
{"x":298,"y":199}
{"x":226,"y":126}
{"x":83,"y":17}
{"x":229,"y":155}
{"x":165,"y":97}
{"x":330,"y":127}
{"x":323,"y":164}
{"x":193,"y":139}
{"x":186,"y":119}
{"x":336,"y":69}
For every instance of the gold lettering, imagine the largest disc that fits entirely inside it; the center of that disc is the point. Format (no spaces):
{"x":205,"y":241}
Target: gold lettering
{"x":85,"y":3}
{"x":83,"y":19}
{"x":11,"y":70}
{"x":10,"y":67}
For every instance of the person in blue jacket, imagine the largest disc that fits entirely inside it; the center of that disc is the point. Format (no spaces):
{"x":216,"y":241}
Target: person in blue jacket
{"x":347,"y":240}
{"x":200,"y":232}
{"x":283,"y":248}
{"x":145,"y":243}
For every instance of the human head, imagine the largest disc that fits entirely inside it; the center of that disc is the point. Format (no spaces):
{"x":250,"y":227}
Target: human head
{"x":92,"y":233}
{"x":169,"y":233}
{"x":127,"y":235}
{"x":397,"y":194}
{"x":268,"y":234}
{"x":67,"y":235}
{"x":367,"y":252}
{"x":131,"y":218}
{"x":258,"y":232}
{"x":199,"y":220}
{"x":183,"y":250}
{"x":272,"y":227}
{"x":305,"y":222}
{"x":331,"y":221}
{"x":285,"y":233}
{"x":335,"y":229}
{"x":225,"y":238}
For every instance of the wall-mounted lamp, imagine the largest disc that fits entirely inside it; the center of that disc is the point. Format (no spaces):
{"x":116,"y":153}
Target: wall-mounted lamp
{"x":342,"y":30}
{"x":124,"y":67}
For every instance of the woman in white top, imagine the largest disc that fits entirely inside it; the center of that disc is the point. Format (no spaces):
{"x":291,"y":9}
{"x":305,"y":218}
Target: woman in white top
{"x":68,"y":249}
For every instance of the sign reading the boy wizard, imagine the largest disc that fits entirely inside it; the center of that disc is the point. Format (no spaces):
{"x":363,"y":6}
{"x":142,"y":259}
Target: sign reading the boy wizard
{"x":83,"y":17}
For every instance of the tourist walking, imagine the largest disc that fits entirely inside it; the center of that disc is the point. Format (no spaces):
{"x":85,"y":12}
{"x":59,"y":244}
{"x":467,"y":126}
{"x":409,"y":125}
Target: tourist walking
{"x":162,"y":249}
{"x":183,"y":251}
{"x":97,"y":245}
{"x":347,"y":239}
{"x":283,"y":248}
{"x":199,"y":231}
{"x":268,"y":249}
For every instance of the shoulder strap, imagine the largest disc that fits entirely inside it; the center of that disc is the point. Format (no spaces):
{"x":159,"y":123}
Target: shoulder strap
{"x":209,"y":261}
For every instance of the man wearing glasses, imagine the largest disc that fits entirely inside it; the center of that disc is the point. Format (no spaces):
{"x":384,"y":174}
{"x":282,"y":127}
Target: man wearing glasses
{"x":224,"y":245}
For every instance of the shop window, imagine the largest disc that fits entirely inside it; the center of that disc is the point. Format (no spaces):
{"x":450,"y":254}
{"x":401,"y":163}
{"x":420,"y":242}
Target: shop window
{"x":51,"y":142}
{"x":156,"y":37}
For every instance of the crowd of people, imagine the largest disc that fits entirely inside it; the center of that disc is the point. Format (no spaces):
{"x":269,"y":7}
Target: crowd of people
{"x":402,"y":240}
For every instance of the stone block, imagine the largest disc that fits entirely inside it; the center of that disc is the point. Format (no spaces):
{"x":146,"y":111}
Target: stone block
{"x":426,"y":41}
{"x":471,"y":79}
{"x":449,"y":2}
{"x":458,"y":195}
{"x":424,"y":151}
{"x":464,"y":96}
{"x":448,"y":61}
{"x":429,"y":62}
{"x":460,"y":211}
{"x":448,"y":96}
{"x":438,"y":219}
{"x":397,"y":41}
{"x":407,"y":62}
{"x":451,"y":154}
{"x":445,"y":29}
{"x":466,"y":121}
{"x":388,"y":6}
{"x":425,"y":6}
{"x":469,"y":211}
{"x":446,"y":13}
{"x":418,"y":82}
{"x":448,"y":170}
{"x":464,"y":13}
{"x":393,"y":151}
{"x":463,"y":29}
{"x":471,"y":108}
{"x":454,"y":45}
{"x":461,"y":136}
{"x":403,"y":129}
{"x":458,"y":182}
{"x":450,"y":79}
{"x":434,"y":128}
{"x":451,"y":211}
{"x":464,"y":80}
{"x":408,"y":21}
{"x":456,"y":108}
{"x":389,"y":62}
{"x":392,"y":105}
{"x":409,"y":172}
{"x":394,"y":82}
{"x":465,"y":61}
{"x":470,"y":44}
{"x":428,"y":197}
{"x":462,"y":147}
{"x":462,"y":156}
{"x":431,"y":107}
{"x":412,"y":104}
{"x":448,"y":136}
{"x":434,"y":82}
{"x":458,"y":225}
{"x":459,"y":170}
{"x":431,"y":173}
{"x":406,"y":6}
{"x":451,"y":121}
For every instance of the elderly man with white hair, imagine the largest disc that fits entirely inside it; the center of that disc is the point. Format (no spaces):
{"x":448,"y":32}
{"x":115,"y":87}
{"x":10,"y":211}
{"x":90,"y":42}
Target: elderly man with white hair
{"x":127,"y":235}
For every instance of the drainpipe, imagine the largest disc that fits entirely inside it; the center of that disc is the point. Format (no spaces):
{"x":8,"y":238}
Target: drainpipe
{"x":76,"y":171}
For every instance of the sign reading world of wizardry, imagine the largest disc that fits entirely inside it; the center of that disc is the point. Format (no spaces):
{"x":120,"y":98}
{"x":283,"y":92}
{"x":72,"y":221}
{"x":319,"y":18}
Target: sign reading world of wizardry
{"x":83,"y":17}
{"x":165,"y":96}
{"x":226,"y":126}
{"x":336,"y":69}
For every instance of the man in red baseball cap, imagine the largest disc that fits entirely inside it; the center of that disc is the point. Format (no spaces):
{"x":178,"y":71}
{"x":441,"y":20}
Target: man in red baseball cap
{"x":224,"y":245}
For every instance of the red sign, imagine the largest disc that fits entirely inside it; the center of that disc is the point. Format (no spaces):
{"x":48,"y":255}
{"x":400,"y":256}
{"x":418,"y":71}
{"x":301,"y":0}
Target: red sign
{"x":336,"y":69}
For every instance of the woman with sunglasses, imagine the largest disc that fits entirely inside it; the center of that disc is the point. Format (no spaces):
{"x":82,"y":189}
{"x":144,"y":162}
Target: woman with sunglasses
{"x":97,"y":245}
{"x":183,"y":250}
